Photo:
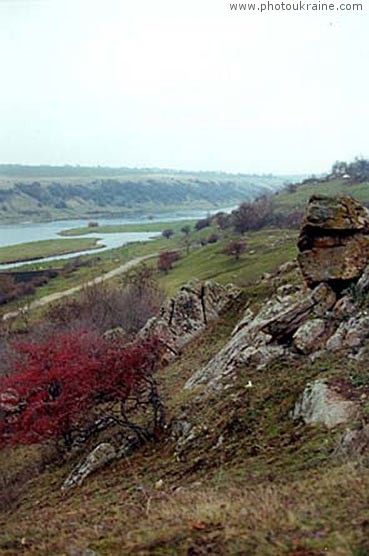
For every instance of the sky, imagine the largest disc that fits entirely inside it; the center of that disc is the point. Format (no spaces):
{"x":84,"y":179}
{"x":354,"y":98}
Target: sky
{"x":183,"y":84}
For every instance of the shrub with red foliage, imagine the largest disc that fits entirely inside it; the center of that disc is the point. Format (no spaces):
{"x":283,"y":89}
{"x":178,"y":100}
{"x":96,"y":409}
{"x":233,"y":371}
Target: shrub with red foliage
{"x":166,"y":260}
{"x":234,"y":249}
{"x":72,"y":386}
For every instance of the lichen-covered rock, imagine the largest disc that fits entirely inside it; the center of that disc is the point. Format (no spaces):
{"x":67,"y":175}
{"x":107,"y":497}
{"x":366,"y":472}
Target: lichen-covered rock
{"x":336,"y":213}
{"x":99,"y":457}
{"x":311,"y":335}
{"x":362,"y":286}
{"x":186,"y":315}
{"x":322,"y":404}
{"x":261,"y":338}
{"x":350,"y":334}
{"x":345,"y":307}
{"x":285,"y":324}
{"x":334,"y":240}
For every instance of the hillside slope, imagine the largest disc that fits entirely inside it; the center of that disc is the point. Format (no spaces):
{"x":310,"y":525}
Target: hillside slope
{"x":265,"y":449}
{"x":43,"y":193}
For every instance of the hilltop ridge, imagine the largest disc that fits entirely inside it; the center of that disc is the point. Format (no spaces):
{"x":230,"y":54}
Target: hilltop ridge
{"x":47,"y":193}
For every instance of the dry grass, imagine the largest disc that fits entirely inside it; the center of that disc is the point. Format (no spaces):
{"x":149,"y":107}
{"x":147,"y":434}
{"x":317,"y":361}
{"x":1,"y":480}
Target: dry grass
{"x":273,"y":488}
{"x":319,"y":515}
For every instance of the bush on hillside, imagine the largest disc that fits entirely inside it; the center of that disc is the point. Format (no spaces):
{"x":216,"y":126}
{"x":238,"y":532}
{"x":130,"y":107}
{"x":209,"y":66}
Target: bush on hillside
{"x":234,"y":249}
{"x":166,"y":260}
{"x":168,"y":233}
{"x":101,"y":307}
{"x":203,"y":223}
{"x":253,"y":216}
{"x":69,"y":387}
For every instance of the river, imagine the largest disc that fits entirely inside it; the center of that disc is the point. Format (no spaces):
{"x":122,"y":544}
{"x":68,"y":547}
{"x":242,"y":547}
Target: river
{"x":13,"y":234}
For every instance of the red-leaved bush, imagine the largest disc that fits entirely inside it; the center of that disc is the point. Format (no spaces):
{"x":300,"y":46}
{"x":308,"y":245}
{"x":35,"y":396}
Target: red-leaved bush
{"x":73,"y":385}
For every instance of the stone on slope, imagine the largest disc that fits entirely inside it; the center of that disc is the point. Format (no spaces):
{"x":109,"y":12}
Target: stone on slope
{"x":322,"y":404}
{"x":186,"y":315}
{"x":354,"y":443}
{"x":351,"y":333}
{"x":99,"y":457}
{"x":259,"y":339}
{"x":311,"y":335}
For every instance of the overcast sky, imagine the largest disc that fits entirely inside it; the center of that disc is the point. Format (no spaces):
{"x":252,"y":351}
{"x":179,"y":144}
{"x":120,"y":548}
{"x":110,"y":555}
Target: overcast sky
{"x":181,"y":84}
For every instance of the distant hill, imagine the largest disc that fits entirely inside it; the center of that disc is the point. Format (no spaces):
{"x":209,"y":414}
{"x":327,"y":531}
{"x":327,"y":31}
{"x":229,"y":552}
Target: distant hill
{"x":295,"y":197}
{"x":56,"y":192}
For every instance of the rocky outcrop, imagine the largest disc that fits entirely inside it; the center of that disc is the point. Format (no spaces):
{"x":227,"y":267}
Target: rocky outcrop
{"x":259,"y":339}
{"x":186,"y":315}
{"x":323,"y":404}
{"x":311,"y":335}
{"x":334,"y":241}
{"x":98,"y":458}
{"x":351,"y":334}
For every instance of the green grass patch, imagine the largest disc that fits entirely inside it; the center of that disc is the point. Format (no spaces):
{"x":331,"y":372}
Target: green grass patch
{"x":266,"y":250}
{"x":122,"y":228}
{"x":42,"y":249}
{"x":298,"y":199}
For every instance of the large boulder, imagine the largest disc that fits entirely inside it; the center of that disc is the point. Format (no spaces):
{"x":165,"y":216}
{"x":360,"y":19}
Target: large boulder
{"x":334,"y":241}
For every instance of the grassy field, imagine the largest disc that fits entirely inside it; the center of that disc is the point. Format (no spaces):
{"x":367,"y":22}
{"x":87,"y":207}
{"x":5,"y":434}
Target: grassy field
{"x":141,"y":227}
{"x":298,"y":199}
{"x":266,"y":250}
{"x":43,"y":249}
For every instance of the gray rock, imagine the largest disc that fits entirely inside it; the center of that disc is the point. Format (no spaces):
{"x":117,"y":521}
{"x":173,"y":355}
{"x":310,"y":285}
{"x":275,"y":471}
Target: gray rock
{"x":344,"y":308}
{"x":362,"y":286}
{"x":186,"y":315}
{"x":285,"y":323}
{"x":258,"y":340}
{"x":321,"y":404}
{"x":351,"y":334}
{"x":311,"y":335}
{"x":98,"y":458}
{"x":354,"y":442}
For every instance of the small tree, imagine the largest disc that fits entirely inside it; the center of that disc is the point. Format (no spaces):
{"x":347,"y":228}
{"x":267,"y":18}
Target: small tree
{"x":234,"y":249}
{"x":252,"y":216}
{"x":166,"y":260}
{"x":203,"y":223}
{"x":186,"y":230}
{"x":168,"y":233}
{"x":223,"y":220}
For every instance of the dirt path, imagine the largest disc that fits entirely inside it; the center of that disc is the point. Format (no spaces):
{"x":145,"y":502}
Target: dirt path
{"x":59,"y":295}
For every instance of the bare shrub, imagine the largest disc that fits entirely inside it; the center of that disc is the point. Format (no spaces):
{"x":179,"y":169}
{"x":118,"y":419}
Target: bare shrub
{"x":128,"y":304}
